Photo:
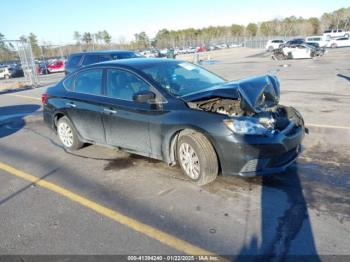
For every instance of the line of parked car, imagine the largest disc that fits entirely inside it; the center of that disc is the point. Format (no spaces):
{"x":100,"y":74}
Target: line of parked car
{"x":11,"y":71}
{"x":308,"y":47}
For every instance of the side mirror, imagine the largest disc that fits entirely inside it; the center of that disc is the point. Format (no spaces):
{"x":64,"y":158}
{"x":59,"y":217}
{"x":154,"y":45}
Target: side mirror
{"x":144,"y":96}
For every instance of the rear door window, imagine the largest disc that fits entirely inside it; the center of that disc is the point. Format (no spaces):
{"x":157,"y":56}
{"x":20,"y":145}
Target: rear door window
{"x":90,"y":59}
{"x":89,"y":82}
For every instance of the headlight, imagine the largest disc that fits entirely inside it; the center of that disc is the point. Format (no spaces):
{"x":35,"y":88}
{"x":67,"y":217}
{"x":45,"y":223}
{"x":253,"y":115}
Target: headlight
{"x":246,"y":127}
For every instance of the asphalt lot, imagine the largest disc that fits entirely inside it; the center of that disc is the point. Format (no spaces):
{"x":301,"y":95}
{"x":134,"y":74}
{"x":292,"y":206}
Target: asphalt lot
{"x":304,"y":211}
{"x":18,"y":83}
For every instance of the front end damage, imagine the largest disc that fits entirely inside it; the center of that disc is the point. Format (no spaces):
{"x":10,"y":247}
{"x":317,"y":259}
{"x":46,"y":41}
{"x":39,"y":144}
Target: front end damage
{"x":266,"y":137}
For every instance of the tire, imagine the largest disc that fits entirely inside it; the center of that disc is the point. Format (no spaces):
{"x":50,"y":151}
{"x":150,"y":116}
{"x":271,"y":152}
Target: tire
{"x":195,"y":149}
{"x":68,"y":135}
{"x":334,"y":46}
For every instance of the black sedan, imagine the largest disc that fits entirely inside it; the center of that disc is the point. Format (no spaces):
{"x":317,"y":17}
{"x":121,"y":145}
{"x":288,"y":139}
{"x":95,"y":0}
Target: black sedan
{"x":179,"y":113}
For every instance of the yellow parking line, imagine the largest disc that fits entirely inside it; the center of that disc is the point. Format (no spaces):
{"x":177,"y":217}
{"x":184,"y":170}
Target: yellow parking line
{"x":328,"y":126}
{"x":24,"y":96}
{"x":140,"y":227}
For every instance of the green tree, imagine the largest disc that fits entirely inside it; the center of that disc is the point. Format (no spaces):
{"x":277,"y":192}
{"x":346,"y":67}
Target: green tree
{"x":237,"y":30}
{"x":33,"y":40}
{"x":107,"y":38}
{"x":252,"y":29}
{"x":77,"y":37}
{"x":315,"y":23}
{"x":87,"y":38}
{"x":141,"y":40}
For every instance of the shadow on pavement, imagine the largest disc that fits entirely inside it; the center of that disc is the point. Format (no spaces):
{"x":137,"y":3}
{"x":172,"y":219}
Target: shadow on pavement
{"x":11,"y":118}
{"x":2,"y":201}
{"x":286,"y":231}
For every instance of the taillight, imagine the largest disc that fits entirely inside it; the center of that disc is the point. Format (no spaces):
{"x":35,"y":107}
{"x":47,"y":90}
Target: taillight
{"x":44,"y":98}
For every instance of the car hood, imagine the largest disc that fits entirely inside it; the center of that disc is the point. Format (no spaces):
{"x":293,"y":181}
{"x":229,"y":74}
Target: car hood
{"x":255,"y":93}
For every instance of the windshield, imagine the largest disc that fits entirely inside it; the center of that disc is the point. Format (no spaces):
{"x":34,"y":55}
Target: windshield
{"x":181,"y":79}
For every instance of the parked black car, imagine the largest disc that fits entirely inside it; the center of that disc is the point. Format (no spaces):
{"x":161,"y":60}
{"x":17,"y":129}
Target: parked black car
{"x":15,"y":70}
{"x":179,"y":113}
{"x":319,"y":51}
{"x":78,"y":60}
{"x":296,"y":41}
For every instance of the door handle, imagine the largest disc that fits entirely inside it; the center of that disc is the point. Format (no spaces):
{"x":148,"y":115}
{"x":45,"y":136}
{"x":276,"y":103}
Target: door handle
{"x":109,"y":111}
{"x":71,"y":104}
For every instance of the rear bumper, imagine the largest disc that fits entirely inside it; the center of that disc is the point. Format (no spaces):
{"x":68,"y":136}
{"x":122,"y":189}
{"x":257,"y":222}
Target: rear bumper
{"x":254,"y":156}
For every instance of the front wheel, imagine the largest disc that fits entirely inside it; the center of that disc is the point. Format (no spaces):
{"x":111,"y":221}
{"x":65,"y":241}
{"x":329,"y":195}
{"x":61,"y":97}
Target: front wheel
{"x":67,"y":134}
{"x":197,"y":157}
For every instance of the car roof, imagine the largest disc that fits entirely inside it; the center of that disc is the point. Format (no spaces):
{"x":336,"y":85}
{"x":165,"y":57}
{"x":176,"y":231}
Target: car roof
{"x":103,"y":52}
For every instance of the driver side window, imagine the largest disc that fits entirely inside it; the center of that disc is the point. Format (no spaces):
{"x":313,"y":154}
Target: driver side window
{"x":123,"y":85}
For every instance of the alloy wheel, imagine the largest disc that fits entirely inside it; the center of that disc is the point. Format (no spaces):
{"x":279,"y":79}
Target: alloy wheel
{"x":65,"y":133}
{"x":189,"y":161}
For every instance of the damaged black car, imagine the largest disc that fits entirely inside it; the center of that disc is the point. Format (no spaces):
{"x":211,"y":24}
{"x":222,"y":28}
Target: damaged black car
{"x":180,"y":113}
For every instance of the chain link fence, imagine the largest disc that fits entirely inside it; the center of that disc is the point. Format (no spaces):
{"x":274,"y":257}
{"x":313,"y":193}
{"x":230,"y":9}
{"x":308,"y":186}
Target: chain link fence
{"x":18,"y":56}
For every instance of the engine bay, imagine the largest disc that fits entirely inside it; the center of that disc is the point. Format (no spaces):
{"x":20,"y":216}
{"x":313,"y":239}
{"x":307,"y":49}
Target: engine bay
{"x":277,"y":117}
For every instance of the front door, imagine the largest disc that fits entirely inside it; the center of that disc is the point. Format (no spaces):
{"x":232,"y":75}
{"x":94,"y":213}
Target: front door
{"x":127,"y":122}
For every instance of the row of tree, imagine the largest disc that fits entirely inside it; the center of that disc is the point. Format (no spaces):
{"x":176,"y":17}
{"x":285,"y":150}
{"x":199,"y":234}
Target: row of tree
{"x":286,"y":27}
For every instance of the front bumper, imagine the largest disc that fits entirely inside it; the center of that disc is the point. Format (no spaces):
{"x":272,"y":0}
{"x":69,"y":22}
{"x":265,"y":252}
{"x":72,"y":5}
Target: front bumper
{"x":253,"y":155}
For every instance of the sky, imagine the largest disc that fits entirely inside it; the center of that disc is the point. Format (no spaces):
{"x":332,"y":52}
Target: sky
{"x":55,"y":21}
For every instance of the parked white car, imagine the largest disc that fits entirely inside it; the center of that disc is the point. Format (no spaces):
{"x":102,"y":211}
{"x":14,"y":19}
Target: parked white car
{"x":320,"y":40}
{"x":5,"y":73}
{"x":298,"y":51}
{"x":339,"y":42}
{"x":335,"y":33}
{"x":273,"y":44}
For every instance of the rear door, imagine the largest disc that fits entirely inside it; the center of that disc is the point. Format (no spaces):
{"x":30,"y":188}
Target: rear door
{"x":127,"y":122}
{"x":84,"y":105}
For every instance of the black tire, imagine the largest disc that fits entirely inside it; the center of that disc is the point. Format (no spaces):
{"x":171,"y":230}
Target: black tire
{"x":207,"y":158}
{"x":76,"y":143}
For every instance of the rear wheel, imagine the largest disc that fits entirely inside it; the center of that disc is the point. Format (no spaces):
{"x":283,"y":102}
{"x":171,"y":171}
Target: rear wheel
{"x":68,"y":135}
{"x":197,"y":157}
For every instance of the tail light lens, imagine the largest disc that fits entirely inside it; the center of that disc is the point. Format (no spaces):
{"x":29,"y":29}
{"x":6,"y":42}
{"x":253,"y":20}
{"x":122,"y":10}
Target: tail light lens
{"x":44,"y":98}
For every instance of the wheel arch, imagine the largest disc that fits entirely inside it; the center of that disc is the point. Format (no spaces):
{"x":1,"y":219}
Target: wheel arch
{"x":171,"y":138}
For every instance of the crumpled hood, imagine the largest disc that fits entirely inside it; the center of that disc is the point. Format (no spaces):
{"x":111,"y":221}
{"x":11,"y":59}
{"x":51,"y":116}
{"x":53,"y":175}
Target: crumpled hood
{"x":255,"y":93}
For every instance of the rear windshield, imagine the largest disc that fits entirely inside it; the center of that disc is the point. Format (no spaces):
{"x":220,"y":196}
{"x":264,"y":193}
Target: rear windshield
{"x":74,"y":60}
{"x":125,"y":55}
